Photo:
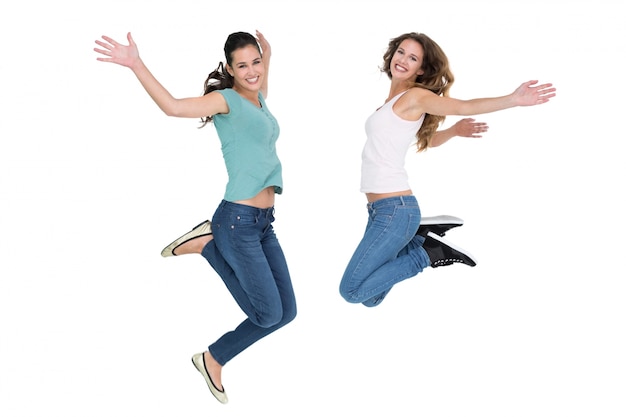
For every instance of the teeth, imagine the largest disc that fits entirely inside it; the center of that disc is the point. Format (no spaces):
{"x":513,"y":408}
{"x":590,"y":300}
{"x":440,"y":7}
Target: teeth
{"x":253,"y":80}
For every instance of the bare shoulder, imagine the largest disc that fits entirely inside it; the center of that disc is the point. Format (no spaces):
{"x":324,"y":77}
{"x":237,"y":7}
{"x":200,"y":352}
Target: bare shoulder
{"x":410,"y":105}
{"x":414,"y":97}
{"x":417,"y":93}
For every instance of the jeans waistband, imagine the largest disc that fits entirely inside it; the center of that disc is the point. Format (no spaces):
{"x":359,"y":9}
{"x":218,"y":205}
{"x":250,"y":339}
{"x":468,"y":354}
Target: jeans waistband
{"x":242,"y":208}
{"x":401,"y":200}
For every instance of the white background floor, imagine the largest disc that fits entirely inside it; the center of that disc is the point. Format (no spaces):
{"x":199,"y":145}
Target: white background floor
{"x":94,"y":181}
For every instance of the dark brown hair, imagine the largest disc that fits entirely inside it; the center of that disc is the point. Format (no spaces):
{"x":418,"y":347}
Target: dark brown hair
{"x":220,"y":79}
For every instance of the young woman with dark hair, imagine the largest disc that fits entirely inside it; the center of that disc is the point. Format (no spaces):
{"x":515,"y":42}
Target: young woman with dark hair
{"x":239,"y":242}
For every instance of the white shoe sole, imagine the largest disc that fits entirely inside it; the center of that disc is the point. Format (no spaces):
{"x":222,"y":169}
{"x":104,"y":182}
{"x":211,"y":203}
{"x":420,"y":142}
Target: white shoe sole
{"x":443,"y":219}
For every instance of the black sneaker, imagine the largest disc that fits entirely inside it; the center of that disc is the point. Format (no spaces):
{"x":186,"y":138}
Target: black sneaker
{"x":438,"y":224}
{"x":442,"y":253}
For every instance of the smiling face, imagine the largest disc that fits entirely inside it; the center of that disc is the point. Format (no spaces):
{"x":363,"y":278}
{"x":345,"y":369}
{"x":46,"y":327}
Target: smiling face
{"x":248,"y":70}
{"x":406,"y":62}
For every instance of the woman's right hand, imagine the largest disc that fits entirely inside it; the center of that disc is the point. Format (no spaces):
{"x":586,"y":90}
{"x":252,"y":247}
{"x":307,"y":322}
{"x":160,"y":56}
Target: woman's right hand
{"x":125,"y":55}
{"x":470,"y":128}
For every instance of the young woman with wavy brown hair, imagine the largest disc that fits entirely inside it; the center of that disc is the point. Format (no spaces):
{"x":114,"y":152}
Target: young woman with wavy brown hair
{"x":397,"y":243}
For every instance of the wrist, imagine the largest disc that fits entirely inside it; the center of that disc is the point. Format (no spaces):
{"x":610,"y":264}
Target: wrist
{"x":137,"y":65}
{"x":454,"y":131}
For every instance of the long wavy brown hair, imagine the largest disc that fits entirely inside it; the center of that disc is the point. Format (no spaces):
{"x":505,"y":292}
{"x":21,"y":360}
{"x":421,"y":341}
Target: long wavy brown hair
{"x":219,"y":78}
{"x":437,"y":77}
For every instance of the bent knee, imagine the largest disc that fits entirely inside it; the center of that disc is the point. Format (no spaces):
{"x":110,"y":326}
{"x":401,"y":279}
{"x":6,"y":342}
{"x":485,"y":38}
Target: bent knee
{"x":289,"y":315}
{"x":267,"y":320}
{"x":275,"y":320}
{"x":350,"y":297}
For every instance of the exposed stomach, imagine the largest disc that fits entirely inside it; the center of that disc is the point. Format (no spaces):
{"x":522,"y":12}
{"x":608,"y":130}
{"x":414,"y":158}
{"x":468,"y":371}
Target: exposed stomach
{"x":264,"y":199}
{"x":371,"y":197}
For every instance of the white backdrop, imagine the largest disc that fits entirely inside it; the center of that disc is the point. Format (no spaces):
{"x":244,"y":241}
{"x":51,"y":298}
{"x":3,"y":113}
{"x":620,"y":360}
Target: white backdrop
{"x":95,"y":181}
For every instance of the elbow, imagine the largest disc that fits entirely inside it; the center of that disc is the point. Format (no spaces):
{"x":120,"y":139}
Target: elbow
{"x":171,"y":111}
{"x":171,"y":108}
{"x":467,"y":108}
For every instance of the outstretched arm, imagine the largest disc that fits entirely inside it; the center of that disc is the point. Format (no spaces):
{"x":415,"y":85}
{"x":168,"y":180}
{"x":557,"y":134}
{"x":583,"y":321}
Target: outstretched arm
{"x":527,"y":94}
{"x":128,"y":56}
{"x":266,"y":51}
{"x":468,"y":128}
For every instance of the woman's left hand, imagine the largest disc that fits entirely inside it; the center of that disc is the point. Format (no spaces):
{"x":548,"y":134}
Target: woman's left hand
{"x":527,"y":95}
{"x":266,"y":49}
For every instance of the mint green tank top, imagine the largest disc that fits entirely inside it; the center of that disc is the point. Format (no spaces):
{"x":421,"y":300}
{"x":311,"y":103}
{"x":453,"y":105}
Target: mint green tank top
{"x":248,"y":135}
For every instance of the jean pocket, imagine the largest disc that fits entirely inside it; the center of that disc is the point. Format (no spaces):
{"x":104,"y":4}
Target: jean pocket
{"x":383,"y":216}
{"x":412,"y":225}
{"x":244,"y":220}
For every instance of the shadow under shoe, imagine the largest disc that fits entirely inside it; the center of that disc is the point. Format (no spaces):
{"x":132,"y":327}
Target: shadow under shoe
{"x":438,"y":224}
{"x":442,"y":253}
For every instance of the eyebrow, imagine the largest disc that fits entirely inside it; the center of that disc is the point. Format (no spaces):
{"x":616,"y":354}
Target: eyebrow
{"x":253,"y":61}
{"x":413,"y":55}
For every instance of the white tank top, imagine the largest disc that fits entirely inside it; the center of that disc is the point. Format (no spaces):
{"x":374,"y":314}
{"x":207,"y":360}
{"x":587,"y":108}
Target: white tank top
{"x":388,"y":140}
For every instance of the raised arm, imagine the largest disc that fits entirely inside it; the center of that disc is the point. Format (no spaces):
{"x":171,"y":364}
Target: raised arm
{"x":468,"y":128}
{"x":128,"y":56}
{"x":266,"y":52}
{"x":527,"y":94}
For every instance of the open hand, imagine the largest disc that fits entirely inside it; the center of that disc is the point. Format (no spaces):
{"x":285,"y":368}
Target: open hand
{"x":125,"y":55}
{"x":266,"y":50}
{"x":527,"y":95}
{"x":469,"y":128}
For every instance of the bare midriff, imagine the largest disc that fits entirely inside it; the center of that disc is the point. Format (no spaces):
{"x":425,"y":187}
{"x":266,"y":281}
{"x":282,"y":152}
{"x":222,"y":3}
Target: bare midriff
{"x":263,"y":200}
{"x":371,"y":197}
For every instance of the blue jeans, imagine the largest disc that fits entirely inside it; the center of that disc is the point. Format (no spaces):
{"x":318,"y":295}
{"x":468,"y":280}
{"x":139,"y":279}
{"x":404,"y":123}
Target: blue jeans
{"x":247,"y":256}
{"x":389,"y":252}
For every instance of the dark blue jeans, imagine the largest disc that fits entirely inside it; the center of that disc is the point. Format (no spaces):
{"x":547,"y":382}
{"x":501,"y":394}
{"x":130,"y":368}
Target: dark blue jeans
{"x":247,"y":256}
{"x":389,"y":252}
